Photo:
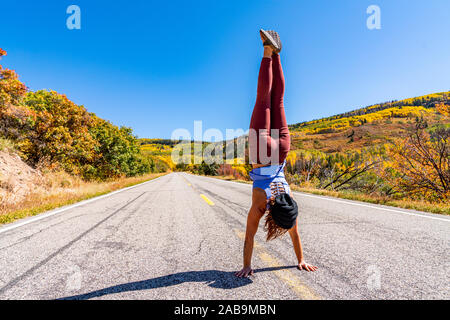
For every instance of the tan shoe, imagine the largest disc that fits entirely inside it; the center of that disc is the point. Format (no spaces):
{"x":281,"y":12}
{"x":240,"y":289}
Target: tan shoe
{"x":272,"y":39}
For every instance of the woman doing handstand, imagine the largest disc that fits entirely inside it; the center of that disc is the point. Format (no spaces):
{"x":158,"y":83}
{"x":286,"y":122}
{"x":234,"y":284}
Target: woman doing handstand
{"x":269,"y":144}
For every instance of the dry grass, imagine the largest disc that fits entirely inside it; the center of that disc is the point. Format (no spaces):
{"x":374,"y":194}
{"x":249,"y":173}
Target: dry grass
{"x":62,"y":189}
{"x":440,"y":208}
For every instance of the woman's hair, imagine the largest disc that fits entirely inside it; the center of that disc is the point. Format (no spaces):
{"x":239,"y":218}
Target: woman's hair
{"x":273,"y":230}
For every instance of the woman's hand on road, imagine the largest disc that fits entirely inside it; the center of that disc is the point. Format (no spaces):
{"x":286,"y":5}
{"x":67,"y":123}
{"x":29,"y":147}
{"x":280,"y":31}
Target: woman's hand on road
{"x":245,"y":272}
{"x":306,"y":266}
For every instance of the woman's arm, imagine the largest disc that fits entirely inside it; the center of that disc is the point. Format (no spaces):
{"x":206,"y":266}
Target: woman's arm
{"x":295,"y":237}
{"x":256,"y":212}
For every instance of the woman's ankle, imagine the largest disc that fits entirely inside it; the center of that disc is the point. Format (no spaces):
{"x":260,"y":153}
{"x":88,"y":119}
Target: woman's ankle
{"x":268,"y":52}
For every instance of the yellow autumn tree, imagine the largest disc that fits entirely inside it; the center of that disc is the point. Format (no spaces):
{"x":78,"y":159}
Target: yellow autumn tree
{"x":443,"y":109}
{"x":11,"y":89}
{"x":420,"y":166}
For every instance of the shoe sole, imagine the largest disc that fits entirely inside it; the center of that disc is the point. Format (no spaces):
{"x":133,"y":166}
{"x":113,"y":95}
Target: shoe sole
{"x":268,"y":37}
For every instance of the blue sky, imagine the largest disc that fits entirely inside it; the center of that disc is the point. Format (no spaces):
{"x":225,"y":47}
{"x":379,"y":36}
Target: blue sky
{"x":159,"y":65}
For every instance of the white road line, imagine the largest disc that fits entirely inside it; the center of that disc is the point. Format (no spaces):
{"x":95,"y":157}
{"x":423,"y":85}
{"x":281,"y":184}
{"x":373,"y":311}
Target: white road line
{"x":78,"y":204}
{"x":349,"y":202}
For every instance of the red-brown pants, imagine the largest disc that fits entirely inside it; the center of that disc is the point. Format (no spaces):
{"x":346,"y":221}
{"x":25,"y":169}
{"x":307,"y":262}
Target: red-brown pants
{"x":269,"y":140}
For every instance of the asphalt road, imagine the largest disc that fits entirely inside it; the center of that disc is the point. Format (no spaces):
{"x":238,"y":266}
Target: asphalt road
{"x":180,"y":237}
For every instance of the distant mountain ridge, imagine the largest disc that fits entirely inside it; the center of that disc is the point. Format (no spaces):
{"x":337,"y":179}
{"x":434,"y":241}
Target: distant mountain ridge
{"x":426,"y":101}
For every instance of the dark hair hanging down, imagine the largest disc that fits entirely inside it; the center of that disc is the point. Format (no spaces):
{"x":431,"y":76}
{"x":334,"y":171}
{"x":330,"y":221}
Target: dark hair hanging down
{"x":273,"y":230}
{"x":282,"y":215}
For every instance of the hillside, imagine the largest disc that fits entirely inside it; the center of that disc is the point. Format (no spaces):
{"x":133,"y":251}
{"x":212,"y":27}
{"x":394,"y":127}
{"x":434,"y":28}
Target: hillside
{"x":17,"y":179}
{"x":367,"y":127}
{"x":158,"y":151}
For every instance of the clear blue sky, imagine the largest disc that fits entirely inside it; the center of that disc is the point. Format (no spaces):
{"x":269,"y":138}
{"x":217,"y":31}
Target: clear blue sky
{"x":160,"y":65}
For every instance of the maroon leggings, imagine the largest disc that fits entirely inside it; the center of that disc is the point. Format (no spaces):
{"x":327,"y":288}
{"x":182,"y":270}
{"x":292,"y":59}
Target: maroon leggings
{"x":269,"y":141}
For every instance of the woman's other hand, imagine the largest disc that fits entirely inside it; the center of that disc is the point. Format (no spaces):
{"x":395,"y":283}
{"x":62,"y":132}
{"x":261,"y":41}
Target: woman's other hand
{"x":306,"y":266}
{"x":245,"y":272}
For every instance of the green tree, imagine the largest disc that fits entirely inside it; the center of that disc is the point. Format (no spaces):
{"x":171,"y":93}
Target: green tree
{"x":117,"y":152}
